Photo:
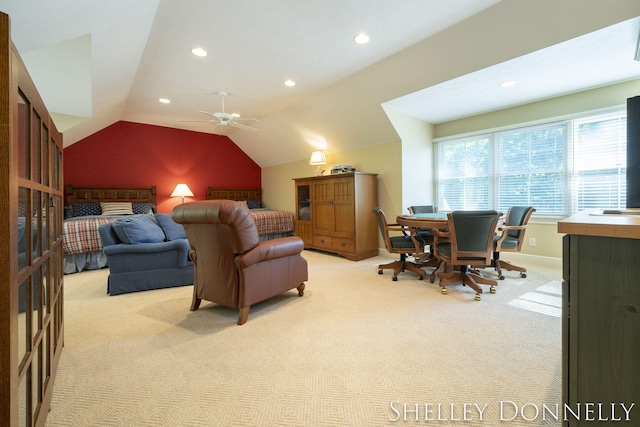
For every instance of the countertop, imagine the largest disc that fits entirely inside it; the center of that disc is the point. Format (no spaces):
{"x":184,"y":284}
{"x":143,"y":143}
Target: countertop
{"x":593,"y":223}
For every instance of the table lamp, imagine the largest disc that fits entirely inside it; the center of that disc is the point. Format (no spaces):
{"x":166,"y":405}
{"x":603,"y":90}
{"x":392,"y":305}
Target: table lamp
{"x":318,"y":158}
{"x":182,"y":190}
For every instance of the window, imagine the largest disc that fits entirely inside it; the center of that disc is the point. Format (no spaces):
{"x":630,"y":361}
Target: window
{"x":559,"y":167}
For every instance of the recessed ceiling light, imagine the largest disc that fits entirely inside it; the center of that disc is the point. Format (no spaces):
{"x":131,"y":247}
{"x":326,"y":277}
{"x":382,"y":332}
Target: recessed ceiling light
{"x":165,"y":100}
{"x":198,"y":51}
{"x":235,"y":115}
{"x":361,"y":38}
{"x":289,"y":83}
{"x":508,"y":83}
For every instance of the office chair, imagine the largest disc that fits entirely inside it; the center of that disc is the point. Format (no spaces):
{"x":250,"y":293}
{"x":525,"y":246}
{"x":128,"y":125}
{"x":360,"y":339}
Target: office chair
{"x":468,"y":243}
{"x":405,"y":245}
{"x":426,"y":235}
{"x":510,"y":238}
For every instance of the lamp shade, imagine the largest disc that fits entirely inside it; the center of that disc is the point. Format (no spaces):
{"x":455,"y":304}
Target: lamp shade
{"x":318,"y":158}
{"x":182,"y":190}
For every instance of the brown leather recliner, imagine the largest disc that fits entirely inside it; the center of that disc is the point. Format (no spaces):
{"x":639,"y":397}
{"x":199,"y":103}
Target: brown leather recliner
{"x":232,"y":267}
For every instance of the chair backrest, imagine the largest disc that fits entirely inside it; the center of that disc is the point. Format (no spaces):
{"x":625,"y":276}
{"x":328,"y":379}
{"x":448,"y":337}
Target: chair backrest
{"x":218,"y":231}
{"x":382,"y":225}
{"x":422,"y":209}
{"x":518,"y":215}
{"x":472,"y":235}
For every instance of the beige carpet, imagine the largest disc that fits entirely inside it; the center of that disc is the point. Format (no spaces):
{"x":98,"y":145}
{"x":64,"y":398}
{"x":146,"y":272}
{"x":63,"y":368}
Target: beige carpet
{"x":357,"y":350}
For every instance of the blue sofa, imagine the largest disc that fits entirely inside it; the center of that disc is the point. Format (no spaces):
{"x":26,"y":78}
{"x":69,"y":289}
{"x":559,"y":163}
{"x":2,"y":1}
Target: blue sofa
{"x":146,"y":252}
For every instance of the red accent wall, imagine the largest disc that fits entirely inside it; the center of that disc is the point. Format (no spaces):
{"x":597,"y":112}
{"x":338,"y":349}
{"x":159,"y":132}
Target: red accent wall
{"x":129,"y":154}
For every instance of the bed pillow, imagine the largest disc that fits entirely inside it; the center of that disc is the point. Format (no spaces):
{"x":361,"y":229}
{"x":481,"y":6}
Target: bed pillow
{"x":141,"y":208}
{"x":138,"y":229}
{"x":172,"y":230}
{"x":254,"y":204}
{"x":82,"y":209}
{"x":116,"y":208}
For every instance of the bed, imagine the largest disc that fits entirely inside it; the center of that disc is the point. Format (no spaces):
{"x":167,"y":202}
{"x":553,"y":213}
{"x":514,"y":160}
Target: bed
{"x":83,"y":215}
{"x":271,"y":223}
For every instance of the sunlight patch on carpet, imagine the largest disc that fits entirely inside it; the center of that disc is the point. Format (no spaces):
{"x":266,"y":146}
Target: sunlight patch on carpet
{"x":545,"y":299}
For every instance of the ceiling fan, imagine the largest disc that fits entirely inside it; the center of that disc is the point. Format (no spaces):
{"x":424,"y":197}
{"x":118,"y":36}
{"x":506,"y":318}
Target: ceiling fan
{"x":223,"y":118}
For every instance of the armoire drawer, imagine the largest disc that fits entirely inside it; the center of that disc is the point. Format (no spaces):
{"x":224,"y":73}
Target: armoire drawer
{"x":323,"y":242}
{"x":344,"y":245}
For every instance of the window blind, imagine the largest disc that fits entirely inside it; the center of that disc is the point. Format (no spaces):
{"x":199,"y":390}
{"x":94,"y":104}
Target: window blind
{"x":558,"y":167}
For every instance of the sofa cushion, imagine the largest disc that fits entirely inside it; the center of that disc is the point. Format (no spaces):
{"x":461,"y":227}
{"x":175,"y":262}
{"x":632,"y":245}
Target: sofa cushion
{"x":116,"y":208}
{"x":172,"y":230}
{"x":138,"y":229}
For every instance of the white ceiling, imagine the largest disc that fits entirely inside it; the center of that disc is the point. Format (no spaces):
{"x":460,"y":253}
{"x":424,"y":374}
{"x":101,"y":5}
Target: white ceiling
{"x":96,"y":62}
{"x":596,"y":59}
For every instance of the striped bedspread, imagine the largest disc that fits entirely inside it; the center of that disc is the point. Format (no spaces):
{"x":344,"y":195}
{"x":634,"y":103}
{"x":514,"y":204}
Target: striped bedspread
{"x":269,"y":221}
{"x":81,"y":234}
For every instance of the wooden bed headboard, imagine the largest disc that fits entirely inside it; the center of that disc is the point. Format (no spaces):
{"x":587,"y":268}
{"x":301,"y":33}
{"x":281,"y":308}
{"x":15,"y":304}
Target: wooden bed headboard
{"x":109,"y":194}
{"x":234,"y":193}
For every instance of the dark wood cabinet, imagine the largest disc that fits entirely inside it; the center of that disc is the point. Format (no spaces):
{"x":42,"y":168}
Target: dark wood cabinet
{"x":601,"y":317}
{"x":335,"y":214}
{"x":31,"y":278}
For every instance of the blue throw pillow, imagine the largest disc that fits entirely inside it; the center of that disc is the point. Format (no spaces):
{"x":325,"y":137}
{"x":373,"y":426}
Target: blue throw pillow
{"x":138,"y":229}
{"x":172,"y":230}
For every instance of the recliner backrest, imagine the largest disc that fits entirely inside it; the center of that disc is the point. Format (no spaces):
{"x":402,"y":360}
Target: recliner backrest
{"x":218,"y":231}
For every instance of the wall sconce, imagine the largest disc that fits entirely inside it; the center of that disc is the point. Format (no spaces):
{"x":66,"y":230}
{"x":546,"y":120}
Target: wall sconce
{"x":318,"y":158}
{"x":182,"y":190}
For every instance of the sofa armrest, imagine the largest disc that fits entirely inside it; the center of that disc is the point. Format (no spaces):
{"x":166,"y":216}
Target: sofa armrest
{"x":144,"y":253}
{"x":270,"y":249}
{"x":145,"y":248}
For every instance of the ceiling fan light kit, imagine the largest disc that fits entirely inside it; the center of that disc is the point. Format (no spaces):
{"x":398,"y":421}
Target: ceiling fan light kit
{"x":222,"y":118}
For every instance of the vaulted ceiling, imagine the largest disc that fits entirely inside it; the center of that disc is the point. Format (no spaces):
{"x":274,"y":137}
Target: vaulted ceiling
{"x":96,"y":62}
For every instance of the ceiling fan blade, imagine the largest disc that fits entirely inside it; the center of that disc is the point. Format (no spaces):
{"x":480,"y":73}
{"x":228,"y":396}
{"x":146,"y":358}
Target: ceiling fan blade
{"x":247,"y":119}
{"x":241,"y":126}
{"x":207,"y":113}
{"x":196,"y":121}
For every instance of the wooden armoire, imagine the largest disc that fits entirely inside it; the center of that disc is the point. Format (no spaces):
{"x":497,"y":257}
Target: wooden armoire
{"x":31,"y":275}
{"x":334,"y":213}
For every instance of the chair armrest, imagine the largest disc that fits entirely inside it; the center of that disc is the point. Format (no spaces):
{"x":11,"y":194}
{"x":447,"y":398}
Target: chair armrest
{"x":270,"y":249}
{"x":442,"y":233}
{"x":504,"y":229}
{"x":511,"y":227}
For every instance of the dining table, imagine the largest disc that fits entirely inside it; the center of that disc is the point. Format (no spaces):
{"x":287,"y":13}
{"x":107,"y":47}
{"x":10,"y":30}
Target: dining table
{"x":437,"y":220}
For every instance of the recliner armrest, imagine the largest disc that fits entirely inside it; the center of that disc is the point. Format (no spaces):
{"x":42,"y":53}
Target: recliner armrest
{"x":270,"y":249}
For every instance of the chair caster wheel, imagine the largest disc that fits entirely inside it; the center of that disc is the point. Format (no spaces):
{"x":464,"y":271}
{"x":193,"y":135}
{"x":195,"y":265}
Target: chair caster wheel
{"x":395,"y":279}
{"x":501,"y":278}
{"x":523,"y":275}
{"x":477,"y":297}
{"x":492,"y":289}
{"x":444,"y":291}
{"x":379,"y":271}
